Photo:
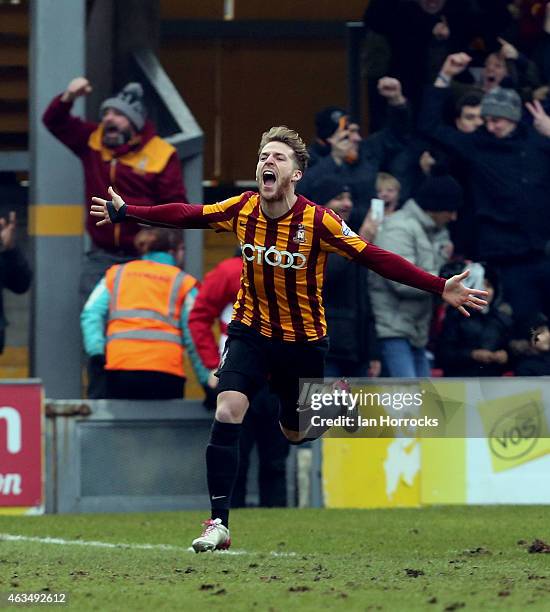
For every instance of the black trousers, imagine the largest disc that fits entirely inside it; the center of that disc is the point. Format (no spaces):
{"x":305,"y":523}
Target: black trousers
{"x":143,"y":384}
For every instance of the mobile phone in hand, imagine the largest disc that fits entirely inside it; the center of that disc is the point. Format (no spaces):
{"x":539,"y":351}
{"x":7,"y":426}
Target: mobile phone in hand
{"x":377,"y":210}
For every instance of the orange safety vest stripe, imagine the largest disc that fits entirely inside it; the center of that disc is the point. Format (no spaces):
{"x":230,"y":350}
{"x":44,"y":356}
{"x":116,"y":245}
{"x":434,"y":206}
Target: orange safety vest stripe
{"x":143,"y":331}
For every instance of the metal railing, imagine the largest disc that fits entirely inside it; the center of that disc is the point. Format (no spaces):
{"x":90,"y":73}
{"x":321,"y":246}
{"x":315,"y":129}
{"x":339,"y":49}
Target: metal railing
{"x":132,"y":456}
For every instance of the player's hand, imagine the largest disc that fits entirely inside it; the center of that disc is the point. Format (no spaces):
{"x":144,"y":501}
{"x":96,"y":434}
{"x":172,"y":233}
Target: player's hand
{"x":99,"y":207}
{"x":541,"y":120}
{"x":460,"y":297}
{"x":7,"y":231}
{"x":390,"y":89}
{"x":455,"y":64}
{"x":76,"y":88}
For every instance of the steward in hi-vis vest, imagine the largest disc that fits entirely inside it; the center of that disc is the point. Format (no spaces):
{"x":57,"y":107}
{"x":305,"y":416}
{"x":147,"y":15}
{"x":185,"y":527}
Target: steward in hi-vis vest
{"x":135,"y":320}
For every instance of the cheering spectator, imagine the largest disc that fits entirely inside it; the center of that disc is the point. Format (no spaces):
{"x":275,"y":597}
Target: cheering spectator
{"x":340,"y":152}
{"x":419,"y":35}
{"x":508,"y":168}
{"x":121,"y":150}
{"x":388,"y":189}
{"x":418,"y":232}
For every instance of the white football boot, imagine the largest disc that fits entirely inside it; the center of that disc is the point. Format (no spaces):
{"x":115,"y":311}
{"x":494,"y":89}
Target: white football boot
{"x":215,"y":536}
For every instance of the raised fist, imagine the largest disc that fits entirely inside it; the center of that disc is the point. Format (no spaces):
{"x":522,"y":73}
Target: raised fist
{"x":76,"y":88}
{"x":455,"y":64}
{"x":507,"y":50}
{"x":390,"y":89}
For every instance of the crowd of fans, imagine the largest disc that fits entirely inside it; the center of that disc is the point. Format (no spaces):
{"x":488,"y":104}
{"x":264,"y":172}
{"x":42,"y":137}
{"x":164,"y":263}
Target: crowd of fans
{"x":458,"y":157}
{"x":460,"y":154}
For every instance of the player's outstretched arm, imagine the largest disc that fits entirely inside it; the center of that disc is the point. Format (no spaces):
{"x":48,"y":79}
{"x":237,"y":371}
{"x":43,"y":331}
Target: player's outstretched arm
{"x":397,"y":268}
{"x":459,"y":296}
{"x":184,"y":216}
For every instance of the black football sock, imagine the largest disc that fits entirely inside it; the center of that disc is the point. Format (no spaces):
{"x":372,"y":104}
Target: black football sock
{"x":222,"y":463}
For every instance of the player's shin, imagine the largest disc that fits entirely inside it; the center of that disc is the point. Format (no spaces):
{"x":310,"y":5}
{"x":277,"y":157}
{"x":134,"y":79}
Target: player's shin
{"x":222,"y":463}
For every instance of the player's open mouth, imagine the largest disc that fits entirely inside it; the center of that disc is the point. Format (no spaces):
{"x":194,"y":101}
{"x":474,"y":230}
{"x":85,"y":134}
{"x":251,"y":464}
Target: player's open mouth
{"x":268,"y":178}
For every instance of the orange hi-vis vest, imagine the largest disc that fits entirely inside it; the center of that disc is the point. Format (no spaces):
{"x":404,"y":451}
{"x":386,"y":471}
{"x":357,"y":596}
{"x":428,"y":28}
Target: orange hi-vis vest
{"x":144,"y":328}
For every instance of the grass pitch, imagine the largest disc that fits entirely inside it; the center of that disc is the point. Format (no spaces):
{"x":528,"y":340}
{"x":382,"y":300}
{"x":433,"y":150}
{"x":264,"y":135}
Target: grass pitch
{"x":471,"y":558}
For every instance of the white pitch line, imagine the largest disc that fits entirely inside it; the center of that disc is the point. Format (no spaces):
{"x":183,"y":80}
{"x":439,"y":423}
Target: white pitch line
{"x":19,"y":538}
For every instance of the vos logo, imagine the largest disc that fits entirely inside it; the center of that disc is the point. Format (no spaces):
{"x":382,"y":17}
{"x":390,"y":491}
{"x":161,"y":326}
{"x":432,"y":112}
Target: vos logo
{"x":515,"y":434}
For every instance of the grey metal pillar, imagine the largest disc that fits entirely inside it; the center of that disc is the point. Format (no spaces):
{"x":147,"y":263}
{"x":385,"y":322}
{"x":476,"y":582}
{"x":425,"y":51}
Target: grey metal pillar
{"x":56,"y":196}
{"x":194,"y":239}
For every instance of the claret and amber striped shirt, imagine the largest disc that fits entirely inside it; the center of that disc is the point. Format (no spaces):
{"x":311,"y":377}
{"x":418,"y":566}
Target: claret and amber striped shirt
{"x":284,"y":259}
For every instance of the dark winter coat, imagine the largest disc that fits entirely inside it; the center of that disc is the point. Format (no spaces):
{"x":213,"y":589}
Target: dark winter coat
{"x":510,"y":183}
{"x":533,"y":365}
{"x":461,"y":335}
{"x":360,"y":176}
{"x":15,"y":275}
{"x":350,"y":320}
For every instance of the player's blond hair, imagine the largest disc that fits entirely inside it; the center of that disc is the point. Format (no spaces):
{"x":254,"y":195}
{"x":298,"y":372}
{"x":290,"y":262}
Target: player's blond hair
{"x":289,"y":137}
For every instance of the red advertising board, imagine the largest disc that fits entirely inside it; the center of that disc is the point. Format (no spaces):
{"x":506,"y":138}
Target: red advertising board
{"x":21,"y":450}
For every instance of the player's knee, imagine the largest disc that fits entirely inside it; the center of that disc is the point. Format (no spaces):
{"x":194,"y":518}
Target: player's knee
{"x":231,"y":407}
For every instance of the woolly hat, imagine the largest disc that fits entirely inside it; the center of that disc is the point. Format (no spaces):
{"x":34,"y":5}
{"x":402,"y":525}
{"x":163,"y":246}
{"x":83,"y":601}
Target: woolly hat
{"x":327,"y":189}
{"x":439,"y":193}
{"x":326,"y":121}
{"x":501,"y":102}
{"x":129,"y":102}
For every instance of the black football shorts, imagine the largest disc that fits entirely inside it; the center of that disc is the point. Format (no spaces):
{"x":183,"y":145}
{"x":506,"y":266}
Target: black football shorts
{"x":251,"y":360}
